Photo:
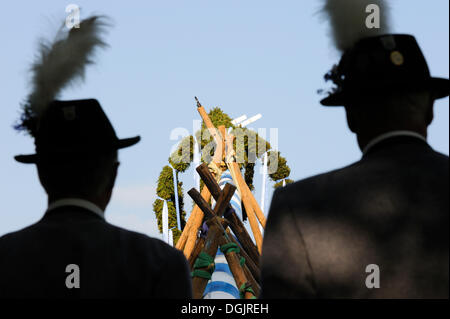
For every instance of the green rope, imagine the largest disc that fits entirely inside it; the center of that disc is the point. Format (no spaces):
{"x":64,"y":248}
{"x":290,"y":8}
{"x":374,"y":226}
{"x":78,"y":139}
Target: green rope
{"x":201,"y":274}
{"x":230,"y":247}
{"x":203,"y":261}
{"x":246,"y":287}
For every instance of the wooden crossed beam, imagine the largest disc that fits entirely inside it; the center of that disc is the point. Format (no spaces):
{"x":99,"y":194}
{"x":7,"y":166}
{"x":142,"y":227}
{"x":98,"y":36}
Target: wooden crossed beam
{"x":235,"y":223}
{"x":218,"y":236}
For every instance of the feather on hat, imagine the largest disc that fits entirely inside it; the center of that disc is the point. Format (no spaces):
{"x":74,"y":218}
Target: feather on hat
{"x":59,"y":64}
{"x":347,"y":20}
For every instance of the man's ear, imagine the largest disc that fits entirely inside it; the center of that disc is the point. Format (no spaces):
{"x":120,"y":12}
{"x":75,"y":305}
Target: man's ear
{"x":111,"y":183}
{"x":429,"y":116}
{"x":351,"y":121}
{"x":42,"y":176}
{"x":114,"y":175}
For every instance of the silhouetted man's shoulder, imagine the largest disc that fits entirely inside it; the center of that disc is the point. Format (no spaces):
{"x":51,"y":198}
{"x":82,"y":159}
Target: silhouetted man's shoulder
{"x":113,"y":262}
{"x":168,"y":263}
{"x":333,"y":225}
{"x":314,"y":187}
{"x":137,"y":245}
{"x":403,"y":169}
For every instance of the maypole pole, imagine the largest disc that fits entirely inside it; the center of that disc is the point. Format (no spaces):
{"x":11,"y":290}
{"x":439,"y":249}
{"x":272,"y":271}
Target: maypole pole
{"x":216,"y":218}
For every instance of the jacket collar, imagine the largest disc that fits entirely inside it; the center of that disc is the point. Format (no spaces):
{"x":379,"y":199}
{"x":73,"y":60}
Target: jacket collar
{"x":393,"y":135}
{"x":76,"y":202}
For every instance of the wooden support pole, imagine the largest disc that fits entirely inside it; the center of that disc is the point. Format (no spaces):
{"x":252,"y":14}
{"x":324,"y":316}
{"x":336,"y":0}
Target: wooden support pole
{"x":184,"y":235}
{"x":199,"y":245}
{"x":209,"y":180}
{"x":233,"y":261}
{"x":222,"y":131}
{"x":252,"y":266}
{"x":240,"y":232}
{"x":221,"y":205}
{"x":223,"y":201}
{"x":241,"y":185}
{"x":196,"y":224}
{"x":242,"y":275}
{"x":201,"y":203}
{"x":210,"y":248}
{"x":232,"y":258}
{"x":189,"y":236}
{"x":250,"y":269}
{"x":235,"y":223}
{"x":218,"y":155}
{"x":255,"y":286}
{"x":190,"y":230}
{"x":247,"y":204}
{"x":255,"y":205}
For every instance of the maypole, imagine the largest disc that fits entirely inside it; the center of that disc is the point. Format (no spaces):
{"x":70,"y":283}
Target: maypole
{"x":224,"y":258}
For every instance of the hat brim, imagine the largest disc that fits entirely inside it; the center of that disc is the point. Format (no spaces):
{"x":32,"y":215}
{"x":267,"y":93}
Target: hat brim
{"x":127,"y":142}
{"x":123,"y":143}
{"x":440,"y":88}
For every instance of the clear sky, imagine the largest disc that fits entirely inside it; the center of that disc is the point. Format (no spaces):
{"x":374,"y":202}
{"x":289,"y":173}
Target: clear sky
{"x":248,"y":57}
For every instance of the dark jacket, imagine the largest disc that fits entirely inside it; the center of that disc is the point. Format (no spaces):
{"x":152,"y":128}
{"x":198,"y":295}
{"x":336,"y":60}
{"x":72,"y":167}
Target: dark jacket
{"x":390,"y":209}
{"x":113,"y":262}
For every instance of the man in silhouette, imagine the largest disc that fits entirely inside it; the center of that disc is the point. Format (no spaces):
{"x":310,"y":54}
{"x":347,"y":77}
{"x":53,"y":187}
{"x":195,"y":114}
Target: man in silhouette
{"x":72,"y":251}
{"x":378,"y":228}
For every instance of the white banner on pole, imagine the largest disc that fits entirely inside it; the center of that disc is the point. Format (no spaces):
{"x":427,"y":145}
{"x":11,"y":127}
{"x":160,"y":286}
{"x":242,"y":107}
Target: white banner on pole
{"x":239,"y":120}
{"x":170,"y":242}
{"x":251,"y":120}
{"x":175,"y":189}
{"x":264,"y":182}
{"x":165,"y":223}
{"x":196,"y":161}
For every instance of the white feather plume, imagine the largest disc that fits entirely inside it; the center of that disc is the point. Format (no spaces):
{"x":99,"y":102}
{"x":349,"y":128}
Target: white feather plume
{"x":59,"y":64}
{"x":348,"y":20}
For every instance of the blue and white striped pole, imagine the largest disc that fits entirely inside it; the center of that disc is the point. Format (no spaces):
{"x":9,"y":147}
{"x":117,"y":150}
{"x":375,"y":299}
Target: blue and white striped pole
{"x":235,"y":201}
{"x":222,"y":284}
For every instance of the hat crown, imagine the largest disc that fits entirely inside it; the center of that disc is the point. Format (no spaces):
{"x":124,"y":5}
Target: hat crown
{"x":395,"y":58}
{"x":382,"y":64}
{"x":74,"y":126}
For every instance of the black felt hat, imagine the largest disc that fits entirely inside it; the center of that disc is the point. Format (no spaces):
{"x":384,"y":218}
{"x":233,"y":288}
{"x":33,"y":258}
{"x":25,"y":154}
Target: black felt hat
{"x":72,"y":129}
{"x":383,"y":64}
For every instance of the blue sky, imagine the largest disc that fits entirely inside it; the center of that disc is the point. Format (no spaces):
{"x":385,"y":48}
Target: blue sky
{"x":247,"y":57}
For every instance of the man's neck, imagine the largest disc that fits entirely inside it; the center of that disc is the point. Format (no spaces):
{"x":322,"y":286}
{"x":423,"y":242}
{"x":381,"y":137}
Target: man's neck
{"x":96,"y":201}
{"x":390,"y":135}
{"x":365,"y":139}
{"x":76,"y":202}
